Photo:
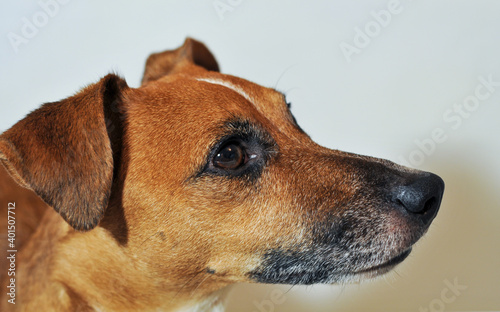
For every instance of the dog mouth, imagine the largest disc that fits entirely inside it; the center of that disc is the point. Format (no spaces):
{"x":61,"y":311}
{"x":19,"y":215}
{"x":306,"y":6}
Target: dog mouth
{"x":292,"y":268}
{"x":385,"y":266}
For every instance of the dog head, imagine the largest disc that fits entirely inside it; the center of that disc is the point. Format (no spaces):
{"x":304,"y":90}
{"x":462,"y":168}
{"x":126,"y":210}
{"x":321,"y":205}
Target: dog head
{"x":212,"y":180}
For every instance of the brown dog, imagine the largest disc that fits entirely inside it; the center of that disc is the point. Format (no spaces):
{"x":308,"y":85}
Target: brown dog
{"x":196,"y":180}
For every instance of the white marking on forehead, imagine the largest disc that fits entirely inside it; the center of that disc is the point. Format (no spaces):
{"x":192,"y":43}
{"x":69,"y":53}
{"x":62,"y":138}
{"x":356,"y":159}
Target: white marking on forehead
{"x":228,"y":85}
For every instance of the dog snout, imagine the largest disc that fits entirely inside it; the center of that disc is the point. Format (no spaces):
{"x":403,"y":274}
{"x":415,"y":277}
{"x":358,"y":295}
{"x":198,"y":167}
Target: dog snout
{"x":421,"y":196}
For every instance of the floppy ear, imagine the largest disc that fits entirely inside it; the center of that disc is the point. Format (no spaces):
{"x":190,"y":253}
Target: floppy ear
{"x":63,"y":152}
{"x":164,"y":63}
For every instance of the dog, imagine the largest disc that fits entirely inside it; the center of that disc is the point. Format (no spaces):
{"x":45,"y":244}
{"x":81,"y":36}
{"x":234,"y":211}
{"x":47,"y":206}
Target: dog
{"x":159,"y":197}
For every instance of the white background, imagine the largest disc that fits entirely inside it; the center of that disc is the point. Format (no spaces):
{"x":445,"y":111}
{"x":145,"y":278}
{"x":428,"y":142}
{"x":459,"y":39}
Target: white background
{"x":394,"y":92}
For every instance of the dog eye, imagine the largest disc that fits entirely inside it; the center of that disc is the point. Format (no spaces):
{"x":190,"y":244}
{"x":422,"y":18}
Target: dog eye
{"x":231,"y":156}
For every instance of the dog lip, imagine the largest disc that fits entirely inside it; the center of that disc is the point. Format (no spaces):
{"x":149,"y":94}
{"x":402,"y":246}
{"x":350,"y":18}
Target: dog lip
{"x":388,"y":265}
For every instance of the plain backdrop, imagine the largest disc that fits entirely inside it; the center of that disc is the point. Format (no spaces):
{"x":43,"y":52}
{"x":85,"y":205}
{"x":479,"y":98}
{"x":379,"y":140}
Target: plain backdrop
{"x":403,"y":80}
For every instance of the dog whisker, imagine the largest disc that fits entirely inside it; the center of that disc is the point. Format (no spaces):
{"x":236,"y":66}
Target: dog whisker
{"x":283,"y":74}
{"x":148,"y":238}
{"x":194,"y":275}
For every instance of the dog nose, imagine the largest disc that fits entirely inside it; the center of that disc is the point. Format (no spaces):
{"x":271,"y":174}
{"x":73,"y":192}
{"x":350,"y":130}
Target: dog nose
{"x":421,"y":196}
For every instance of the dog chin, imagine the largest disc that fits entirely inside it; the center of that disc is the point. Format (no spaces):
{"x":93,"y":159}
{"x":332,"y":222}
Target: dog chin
{"x":298,"y":269}
{"x":380,"y":269}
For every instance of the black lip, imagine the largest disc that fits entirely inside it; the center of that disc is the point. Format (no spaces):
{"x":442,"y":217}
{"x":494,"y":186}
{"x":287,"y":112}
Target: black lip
{"x":288,"y":267}
{"x":389,"y":264}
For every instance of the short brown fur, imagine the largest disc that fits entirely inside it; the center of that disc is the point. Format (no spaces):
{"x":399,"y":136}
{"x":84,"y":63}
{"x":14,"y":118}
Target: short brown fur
{"x":149,"y":224}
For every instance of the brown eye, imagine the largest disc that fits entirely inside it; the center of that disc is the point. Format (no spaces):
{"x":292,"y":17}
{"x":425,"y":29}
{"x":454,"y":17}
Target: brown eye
{"x":230,"y":156}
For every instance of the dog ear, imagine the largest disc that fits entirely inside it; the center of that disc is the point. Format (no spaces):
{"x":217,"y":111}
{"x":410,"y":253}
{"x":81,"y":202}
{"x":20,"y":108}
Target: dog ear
{"x":63,"y":152}
{"x":164,"y":63}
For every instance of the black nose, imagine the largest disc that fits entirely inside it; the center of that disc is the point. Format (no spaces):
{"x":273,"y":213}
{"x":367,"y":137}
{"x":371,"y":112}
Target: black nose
{"x":421,"y":196}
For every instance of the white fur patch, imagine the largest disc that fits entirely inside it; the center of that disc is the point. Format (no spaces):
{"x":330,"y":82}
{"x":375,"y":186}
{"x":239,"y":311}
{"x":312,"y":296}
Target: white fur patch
{"x":212,"y":304}
{"x":228,"y":85}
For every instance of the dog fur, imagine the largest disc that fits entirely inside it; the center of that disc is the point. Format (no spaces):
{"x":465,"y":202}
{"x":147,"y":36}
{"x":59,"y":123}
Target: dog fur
{"x":144,"y":209}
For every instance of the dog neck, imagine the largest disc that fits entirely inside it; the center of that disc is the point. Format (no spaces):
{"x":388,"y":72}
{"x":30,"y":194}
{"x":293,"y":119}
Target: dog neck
{"x":88,"y":280}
